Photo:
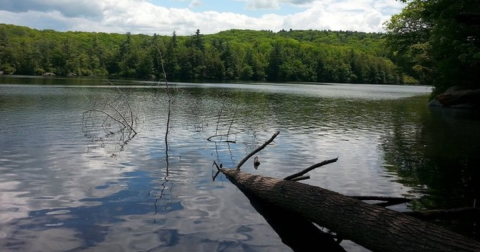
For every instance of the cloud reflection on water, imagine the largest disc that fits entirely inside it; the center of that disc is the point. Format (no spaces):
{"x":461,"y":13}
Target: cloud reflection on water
{"x":59,"y":186}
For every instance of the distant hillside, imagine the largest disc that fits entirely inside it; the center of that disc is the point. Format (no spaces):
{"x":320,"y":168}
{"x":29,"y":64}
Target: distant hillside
{"x":311,"y":56}
{"x":371,"y":43}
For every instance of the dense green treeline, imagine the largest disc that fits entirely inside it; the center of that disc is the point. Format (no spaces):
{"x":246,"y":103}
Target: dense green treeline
{"x":438,"y":42}
{"x":317,"y":56}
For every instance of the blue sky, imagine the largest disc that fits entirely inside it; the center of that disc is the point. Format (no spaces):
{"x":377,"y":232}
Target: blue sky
{"x":236,"y":6}
{"x":186,"y":16}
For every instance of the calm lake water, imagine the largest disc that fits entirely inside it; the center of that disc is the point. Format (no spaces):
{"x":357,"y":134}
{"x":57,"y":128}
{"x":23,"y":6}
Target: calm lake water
{"x":68,"y":184}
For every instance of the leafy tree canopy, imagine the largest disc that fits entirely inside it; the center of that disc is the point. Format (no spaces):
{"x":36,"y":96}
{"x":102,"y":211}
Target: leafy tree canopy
{"x":307,"y":56}
{"x":438,"y":42}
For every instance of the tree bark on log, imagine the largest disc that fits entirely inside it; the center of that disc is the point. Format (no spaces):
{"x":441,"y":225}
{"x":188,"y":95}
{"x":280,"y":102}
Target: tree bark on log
{"x":297,"y":232}
{"x":374,"y":227}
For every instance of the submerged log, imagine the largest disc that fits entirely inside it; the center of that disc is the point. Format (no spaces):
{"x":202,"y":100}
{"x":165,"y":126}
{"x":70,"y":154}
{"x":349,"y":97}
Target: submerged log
{"x":374,"y":227}
{"x":297,"y":232}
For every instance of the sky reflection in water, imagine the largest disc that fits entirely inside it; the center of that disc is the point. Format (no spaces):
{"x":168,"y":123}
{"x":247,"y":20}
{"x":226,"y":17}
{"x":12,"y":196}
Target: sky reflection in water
{"x":62,"y":189}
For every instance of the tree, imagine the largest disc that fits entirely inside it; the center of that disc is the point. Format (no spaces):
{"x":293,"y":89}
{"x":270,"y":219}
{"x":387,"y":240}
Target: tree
{"x":276,"y":60}
{"x":98,"y":56}
{"x":197,"y":41}
{"x":171,"y":66}
{"x":129,"y":58}
{"x":6,"y":57}
{"x":229,"y":55}
{"x":174,"y":40}
{"x":431,"y":41}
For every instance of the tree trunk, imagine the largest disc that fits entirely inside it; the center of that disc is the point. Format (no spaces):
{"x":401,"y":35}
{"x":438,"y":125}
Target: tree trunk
{"x":374,"y":227}
{"x":297,"y":232}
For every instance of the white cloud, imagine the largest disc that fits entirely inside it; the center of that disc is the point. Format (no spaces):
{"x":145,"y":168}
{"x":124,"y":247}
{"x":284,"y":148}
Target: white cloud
{"x":356,"y":15}
{"x":262,"y":4}
{"x":140,"y":16}
{"x":195,"y":4}
{"x":274,"y":4}
{"x":69,"y":8}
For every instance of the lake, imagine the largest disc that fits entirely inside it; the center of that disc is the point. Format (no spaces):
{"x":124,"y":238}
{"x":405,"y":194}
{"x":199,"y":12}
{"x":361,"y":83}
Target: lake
{"x":75,"y":181}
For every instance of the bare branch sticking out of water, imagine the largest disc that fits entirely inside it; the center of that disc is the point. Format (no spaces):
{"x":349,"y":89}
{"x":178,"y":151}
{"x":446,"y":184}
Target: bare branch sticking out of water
{"x":217,"y":129}
{"x":303,"y":172}
{"x":218,"y":170}
{"x":169,"y":100}
{"x":300,"y":178}
{"x":257,"y":150}
{"x":109,"y":118}
{"x":210,"y":139}
{"x":219,"y":117}
{"x":231,"y":123}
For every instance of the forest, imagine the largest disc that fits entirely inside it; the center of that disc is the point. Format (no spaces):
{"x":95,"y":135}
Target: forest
{"x":437,"y":42}
{"x":246,"y":55}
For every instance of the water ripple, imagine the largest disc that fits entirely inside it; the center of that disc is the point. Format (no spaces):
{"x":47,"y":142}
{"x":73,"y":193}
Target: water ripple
{"x":62,"y":189}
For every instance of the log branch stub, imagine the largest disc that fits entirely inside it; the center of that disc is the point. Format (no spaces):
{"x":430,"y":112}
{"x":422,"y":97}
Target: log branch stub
{"x":385,"y":201}
{"x":298,"y":174}
{"x":256,"y":163}
{"x":257,"y":150}
{"x":300,"y":178}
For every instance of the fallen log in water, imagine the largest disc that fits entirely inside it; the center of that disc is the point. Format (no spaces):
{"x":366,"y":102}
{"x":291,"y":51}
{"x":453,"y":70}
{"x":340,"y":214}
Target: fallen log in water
{"x":374,"y":227}
{"x":297,"y":232}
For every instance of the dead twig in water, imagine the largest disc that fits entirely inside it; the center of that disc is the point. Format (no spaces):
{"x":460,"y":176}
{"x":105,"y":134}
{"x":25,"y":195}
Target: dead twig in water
{"x":257,"y":150}
{"x":115,"y":117}
{"x":298,"y":174}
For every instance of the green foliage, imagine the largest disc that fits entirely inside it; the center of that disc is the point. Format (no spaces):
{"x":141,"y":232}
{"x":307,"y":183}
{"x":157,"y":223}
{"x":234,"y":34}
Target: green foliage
{"x":322,"y":56}
{"x":438,"y":42}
